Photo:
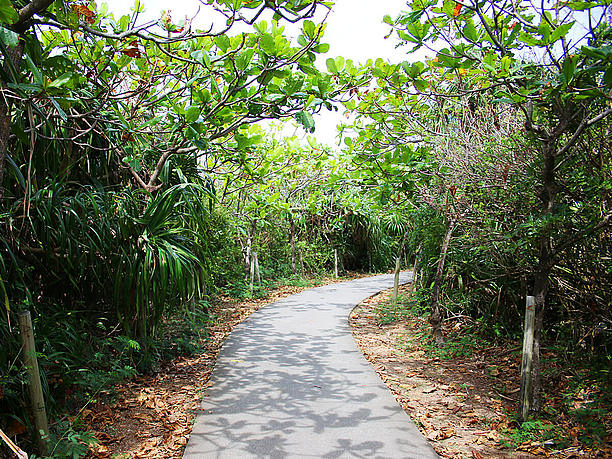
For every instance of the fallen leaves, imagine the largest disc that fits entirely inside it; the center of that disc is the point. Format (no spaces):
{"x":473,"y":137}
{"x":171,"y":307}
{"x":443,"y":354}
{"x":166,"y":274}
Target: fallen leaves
{"x":152,"y":416}
{"x":438,"y":394}
{"x":441,"y":434}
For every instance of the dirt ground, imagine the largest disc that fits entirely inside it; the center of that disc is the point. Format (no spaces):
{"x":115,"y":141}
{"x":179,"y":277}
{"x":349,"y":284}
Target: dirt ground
{"x":152,"y":416}
{"x":461,"y":405}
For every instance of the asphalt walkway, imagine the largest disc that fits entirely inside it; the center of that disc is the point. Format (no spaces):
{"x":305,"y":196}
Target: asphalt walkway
{"x":290,"y":382}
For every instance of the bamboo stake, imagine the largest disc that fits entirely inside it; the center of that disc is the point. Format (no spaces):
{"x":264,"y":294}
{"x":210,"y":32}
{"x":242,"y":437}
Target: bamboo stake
{"x":35,"y":387}
{"x":398,"y":265}
{"x":336,"y":262}
{"x":302,"y":263}
{"x":257,"y":273}
{"x":21,"y":454}
{"x":252,"y":273}
{"x":527,"y":361}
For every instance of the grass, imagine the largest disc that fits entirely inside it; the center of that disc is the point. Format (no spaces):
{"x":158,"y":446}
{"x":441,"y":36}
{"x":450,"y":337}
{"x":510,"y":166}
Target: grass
{"x":537,"y":431}
{"x":459,"y":343}
{"x":391,"y":311}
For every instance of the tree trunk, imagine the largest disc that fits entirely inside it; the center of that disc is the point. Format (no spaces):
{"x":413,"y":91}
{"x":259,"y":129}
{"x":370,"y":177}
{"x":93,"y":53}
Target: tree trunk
{"x":292,"y":242}
{"x":415,"y":270}
{"x":248,"y":249}
{"x":540,"y":289}
{"x":336,"y":263}
{"x":302,"y":263}
{"x":257,"y":272}
{"x":547,"y":195}
{"x":34,"y":384}
{"x":398,"y":267}
{"x":252,"y":273}
{"x":12,"y":62}
{"x":527,"y":360}
{"x":435,"y":319}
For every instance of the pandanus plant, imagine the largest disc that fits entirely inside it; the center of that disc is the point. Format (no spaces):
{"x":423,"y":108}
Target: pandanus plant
{"x":144,"y":251}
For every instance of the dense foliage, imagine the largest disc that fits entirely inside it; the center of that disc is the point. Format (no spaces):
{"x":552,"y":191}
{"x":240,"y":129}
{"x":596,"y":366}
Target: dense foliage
{"x":135,"y":182}
{"x":503,"y":137}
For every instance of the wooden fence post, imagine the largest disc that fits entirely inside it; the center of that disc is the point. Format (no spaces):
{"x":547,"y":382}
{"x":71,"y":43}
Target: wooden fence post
{"x":13,"y":447}
{"x":527,"y":361}
{"x":251,"y":273}
{"x":302,"y":263}
{"x":398,"y":265}
{"x":257,"y":273}
{"x":34,"y":385}
{"x":336,"y":262}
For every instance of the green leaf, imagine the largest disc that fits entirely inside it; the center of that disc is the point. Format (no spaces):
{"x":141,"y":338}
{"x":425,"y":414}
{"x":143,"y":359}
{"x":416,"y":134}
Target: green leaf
{"x":470,"y":32}
{"x":59,"y":109}
{"x":339,"y":63}
{"x":266,"y":42}
{"x":331,"y":65}
{"x":321,"y":48}
{"x":244,"y":59}
{"x":223,"y":42}
{"x":544,"y":30}
{"x":309,"y":29}
{"x":605,"y":52}
{"x":201,"y":55}
{"x":581,"y":5}
{"x":192,"y":113}
{"x":8,"y":37}
{"x":60,"y":81}
{"x":569,"y":67}
{"x":306,"y":120}
{"x":38,"y":78}
{"x":293,"y":85}
{"x":607,"y":78}
{"x":561,"y":31}
{"x":275,"y":97}
{"x":8,"y":14}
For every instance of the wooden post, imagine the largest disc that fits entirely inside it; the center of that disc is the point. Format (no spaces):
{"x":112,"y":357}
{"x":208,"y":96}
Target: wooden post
{"x":251,"y":273}
{"x":302,"y":263}
{"x":13,"y":447}
{"x":34,"y":386}
{"x":257,"y":273}
{"x":292,"y":243}
{"x":336,"y":262}
{"x":415,"y":270}
{"x":527,"y":361}
{"x":398,"y":265}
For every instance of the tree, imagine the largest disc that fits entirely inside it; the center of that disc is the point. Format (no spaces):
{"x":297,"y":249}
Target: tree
{"x":96,"y":107}
{"x":551,"y":62}
{"x":158,"y":89}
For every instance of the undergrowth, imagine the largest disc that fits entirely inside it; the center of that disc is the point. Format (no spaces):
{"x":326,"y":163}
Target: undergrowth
{"x":79,"y":368}
{"x":577,"y":386}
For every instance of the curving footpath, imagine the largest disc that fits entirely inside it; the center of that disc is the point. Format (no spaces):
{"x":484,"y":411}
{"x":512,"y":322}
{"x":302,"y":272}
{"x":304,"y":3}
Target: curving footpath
{"x":290,"y":382}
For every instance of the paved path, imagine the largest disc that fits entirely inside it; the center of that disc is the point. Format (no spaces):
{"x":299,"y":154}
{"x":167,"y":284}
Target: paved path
{"x":290,"y":382}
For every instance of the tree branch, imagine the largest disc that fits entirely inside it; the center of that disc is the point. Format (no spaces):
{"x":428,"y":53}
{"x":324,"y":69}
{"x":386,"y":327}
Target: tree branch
{"x":583,"y":126}
{"x":27,"y":12}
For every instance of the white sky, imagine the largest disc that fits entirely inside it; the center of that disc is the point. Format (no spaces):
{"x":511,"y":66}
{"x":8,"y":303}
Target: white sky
{"x":354,"y":31}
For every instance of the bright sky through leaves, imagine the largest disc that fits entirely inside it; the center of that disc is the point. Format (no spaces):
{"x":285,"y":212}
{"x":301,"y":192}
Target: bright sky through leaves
{"x":354,"y":31}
